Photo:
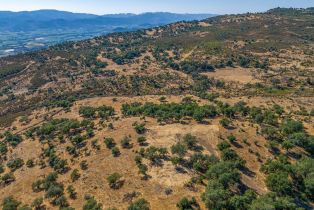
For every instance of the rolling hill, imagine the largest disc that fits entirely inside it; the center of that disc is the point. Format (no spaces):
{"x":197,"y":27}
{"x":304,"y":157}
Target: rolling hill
{"x":26,"y":31}
{"x":209,"y":114}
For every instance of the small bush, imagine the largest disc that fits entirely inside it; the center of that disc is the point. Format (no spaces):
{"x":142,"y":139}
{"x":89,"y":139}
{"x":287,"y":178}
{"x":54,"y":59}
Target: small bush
{"x":15,"y":164}
{"x":140,"y":204}
{"x":8,"y":178}
{"x":185,"y":204}
{"x":30,"y":163}
{"x":140,"y":128}
{"x":114,"y":181}
{"x":92,"y":204}
{"x":125,"y":142}
{"x":75,"y":175}
{"x":9,"y":203}
{"x":84,"y":165}
{"x":232,"y":139}
{"x":115,"y":151}
{"x":13,"y":139}
{"x":141,"y":140}
{"x":109,"y":143}
{"x":225,"y":123}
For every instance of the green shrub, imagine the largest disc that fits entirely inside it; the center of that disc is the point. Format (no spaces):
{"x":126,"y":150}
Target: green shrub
{"x":179,"y":149}
{"x":75,"y":175}
{"x":232,"y":139}
{"x":37,"y":203}
{"x":190,"y":67}
{"x":225,"y":172}
{"x":1,"y":168}
{"x":140,"y":204}
{"x":223,"y":145}
{"x":92,"y":204}
{"x":154,"y":154}
{"x":115,"y":181}
{"x":8,"y":178}
{"x":54,"y":191}
{"x":125,"y":142}
{"x":84,"y":165}
{"x":201,"y":162}
{"x":291,"y":126}
{"x":140,"y":128}
{"x":109,"y":143}
{"x":271,"y":201}
{"x":105,"y":111}
{"x":9,"y":203}
{"x":304,"y":170}
{"x":13,"y":139}
{"x":216,"y":196}
{"x":190,"y":141}
{"x":71,"y":191}
{"x":141,"y":140}
{"x":229,"y":154}
{"x":187,"y":204}
{"x":87,"y":111}
{"x":15,"y":164}
{"x":61,"y":201}
{"x":3,"y":148}
{"x":224,"y":122}
{"x":30,"y":163}
{"x":142,"y":169}
{"x":279,"y":182}
{"x":242,"y":201}
{"x":115,"y":151}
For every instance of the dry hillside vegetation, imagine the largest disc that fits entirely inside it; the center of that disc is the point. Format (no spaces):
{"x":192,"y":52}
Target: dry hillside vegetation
{"x":216,"y":114}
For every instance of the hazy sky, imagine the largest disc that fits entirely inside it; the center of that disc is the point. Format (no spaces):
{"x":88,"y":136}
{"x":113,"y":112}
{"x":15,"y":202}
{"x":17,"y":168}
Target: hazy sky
{"x":138,"y":6}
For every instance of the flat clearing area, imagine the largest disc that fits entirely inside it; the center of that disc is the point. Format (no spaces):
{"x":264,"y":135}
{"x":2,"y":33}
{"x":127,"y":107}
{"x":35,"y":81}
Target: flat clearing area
{"x":240,"y":75}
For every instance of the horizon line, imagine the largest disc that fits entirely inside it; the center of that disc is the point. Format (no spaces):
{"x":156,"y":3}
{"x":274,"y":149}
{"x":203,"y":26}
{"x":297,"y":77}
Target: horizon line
{"x":145,"y":12}
{"x":120,"y":13}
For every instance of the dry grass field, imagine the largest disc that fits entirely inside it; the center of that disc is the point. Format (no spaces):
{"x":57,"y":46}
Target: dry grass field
{"x":217,"y":114}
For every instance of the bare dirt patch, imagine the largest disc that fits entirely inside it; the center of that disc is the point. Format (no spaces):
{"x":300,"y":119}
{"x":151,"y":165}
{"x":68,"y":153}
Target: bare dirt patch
{"x":240,"y":75}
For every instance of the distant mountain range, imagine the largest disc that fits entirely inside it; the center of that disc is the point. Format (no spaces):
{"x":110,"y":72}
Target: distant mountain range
{"x":25,"y":31}
{"x":28,"y":21}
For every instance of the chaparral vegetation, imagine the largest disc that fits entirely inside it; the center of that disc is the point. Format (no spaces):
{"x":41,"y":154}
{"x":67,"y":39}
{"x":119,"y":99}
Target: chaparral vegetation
{"x":214,"y":114}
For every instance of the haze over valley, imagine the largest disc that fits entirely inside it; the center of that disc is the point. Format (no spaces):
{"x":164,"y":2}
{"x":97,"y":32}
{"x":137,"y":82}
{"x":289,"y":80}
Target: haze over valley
{"x":28,"y":31}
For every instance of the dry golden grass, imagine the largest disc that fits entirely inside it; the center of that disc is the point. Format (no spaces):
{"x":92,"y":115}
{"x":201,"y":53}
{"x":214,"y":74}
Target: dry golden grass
{"x":101,"y":163}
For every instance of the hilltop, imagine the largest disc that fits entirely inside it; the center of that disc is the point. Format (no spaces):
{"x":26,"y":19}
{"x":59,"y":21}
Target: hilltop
{"x":209,"y":114}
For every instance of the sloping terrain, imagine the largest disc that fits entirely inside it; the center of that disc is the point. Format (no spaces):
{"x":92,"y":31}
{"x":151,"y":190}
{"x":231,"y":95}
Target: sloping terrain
{"x":27,"y":31}
{"x":211,"y":114}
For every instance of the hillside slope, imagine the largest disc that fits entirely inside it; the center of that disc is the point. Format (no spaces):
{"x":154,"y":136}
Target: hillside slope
{"x":211,"y":114}
{"x":28,"y":31}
